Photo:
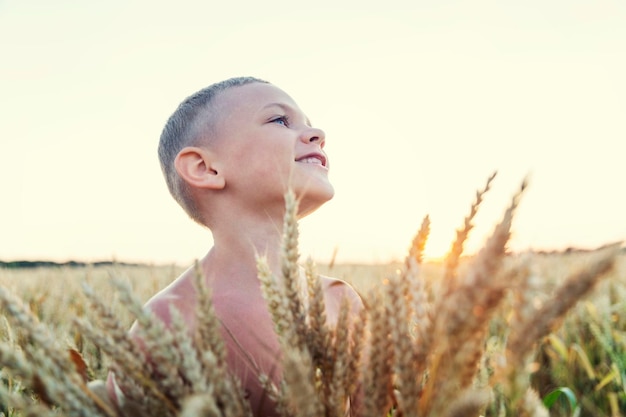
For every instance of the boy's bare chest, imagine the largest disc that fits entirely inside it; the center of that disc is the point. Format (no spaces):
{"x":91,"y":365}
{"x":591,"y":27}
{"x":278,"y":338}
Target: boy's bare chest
{"x":246,"y":322}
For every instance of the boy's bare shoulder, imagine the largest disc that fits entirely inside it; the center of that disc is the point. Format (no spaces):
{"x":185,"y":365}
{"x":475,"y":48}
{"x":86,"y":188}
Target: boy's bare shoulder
{"x":180,"y":294}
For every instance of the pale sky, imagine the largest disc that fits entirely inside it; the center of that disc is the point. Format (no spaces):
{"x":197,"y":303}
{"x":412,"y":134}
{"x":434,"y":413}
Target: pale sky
{"x":420,"y":101}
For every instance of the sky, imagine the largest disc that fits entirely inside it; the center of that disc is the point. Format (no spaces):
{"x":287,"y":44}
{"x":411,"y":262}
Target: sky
{"x":421,"y":102}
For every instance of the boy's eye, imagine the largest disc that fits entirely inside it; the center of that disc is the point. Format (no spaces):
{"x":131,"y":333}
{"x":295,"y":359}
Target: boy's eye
{"x":281,"y":120}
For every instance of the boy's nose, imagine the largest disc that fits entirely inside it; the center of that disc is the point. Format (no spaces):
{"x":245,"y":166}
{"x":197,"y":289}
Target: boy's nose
{"x":312,"y":135}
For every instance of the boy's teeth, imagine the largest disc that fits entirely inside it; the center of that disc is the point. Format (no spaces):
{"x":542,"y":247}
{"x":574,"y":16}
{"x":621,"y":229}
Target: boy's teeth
{"x":311,"y":160}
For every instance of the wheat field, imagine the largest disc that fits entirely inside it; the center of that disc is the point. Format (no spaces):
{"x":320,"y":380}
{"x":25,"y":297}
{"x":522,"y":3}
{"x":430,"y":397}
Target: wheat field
{"x":492,"y":334}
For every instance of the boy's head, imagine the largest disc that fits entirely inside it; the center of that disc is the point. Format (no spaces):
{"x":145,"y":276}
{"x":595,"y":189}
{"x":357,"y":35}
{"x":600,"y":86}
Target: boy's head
{"x":188,"y":126}
{"x":247,"y":133}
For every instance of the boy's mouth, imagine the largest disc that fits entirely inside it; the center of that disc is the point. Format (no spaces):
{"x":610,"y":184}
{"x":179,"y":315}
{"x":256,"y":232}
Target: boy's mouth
{"x":313,"y":158}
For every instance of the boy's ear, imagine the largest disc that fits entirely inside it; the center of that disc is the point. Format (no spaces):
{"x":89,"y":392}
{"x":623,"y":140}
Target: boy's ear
{"x":197,"y":166}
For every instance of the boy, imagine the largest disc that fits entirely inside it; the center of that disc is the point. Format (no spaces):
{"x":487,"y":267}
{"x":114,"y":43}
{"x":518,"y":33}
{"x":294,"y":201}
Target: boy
{"x":229,"y":153}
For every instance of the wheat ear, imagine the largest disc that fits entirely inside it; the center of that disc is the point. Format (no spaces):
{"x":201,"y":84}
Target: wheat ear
{"x":409,"y":308}
{"x":207,"y":335}
{"x":299,"y":384}
{"x":353,"y":371}
{"x":291,"y":270}
{"x":210,"y":354}
{"x":413,"y":349}
{"x":26,"y":408}
{"x":14,"y":359}
{"x":545,"y":319}
{"x":341,"y":352}
{"x":157,"y":340}
{"x":419,"y":241}
{"x":277,"y":304}
{"x":318,"y":337}
{"x":54,"y":370}
{"x":130,"y":364}
{"x":418,"y":302}
{"x":456,"y":250}
{"x":377,"y":378}
{"x":318,"y":340}
{"x":463,"y":314}
{"x":408,"y":381}
{"x":189,"y":363}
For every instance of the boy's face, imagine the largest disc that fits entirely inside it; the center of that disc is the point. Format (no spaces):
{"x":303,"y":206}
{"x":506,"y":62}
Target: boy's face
{"x":266,"y":143}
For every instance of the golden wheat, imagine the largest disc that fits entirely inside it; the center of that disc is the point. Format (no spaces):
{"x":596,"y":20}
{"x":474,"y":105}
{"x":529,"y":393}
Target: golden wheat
{"x":424,"y":345}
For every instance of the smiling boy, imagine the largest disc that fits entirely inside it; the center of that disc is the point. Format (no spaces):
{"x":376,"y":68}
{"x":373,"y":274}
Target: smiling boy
{"x":228,"y":154}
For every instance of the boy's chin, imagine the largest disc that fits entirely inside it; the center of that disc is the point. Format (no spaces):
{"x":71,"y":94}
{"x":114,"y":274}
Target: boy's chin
{"x":311,"y":201}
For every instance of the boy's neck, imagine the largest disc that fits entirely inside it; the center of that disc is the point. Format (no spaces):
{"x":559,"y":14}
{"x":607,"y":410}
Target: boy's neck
{"x":236,"y":247}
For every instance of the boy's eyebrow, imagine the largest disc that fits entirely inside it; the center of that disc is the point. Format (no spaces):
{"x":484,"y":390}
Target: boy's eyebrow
{"x":287,"y":108}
